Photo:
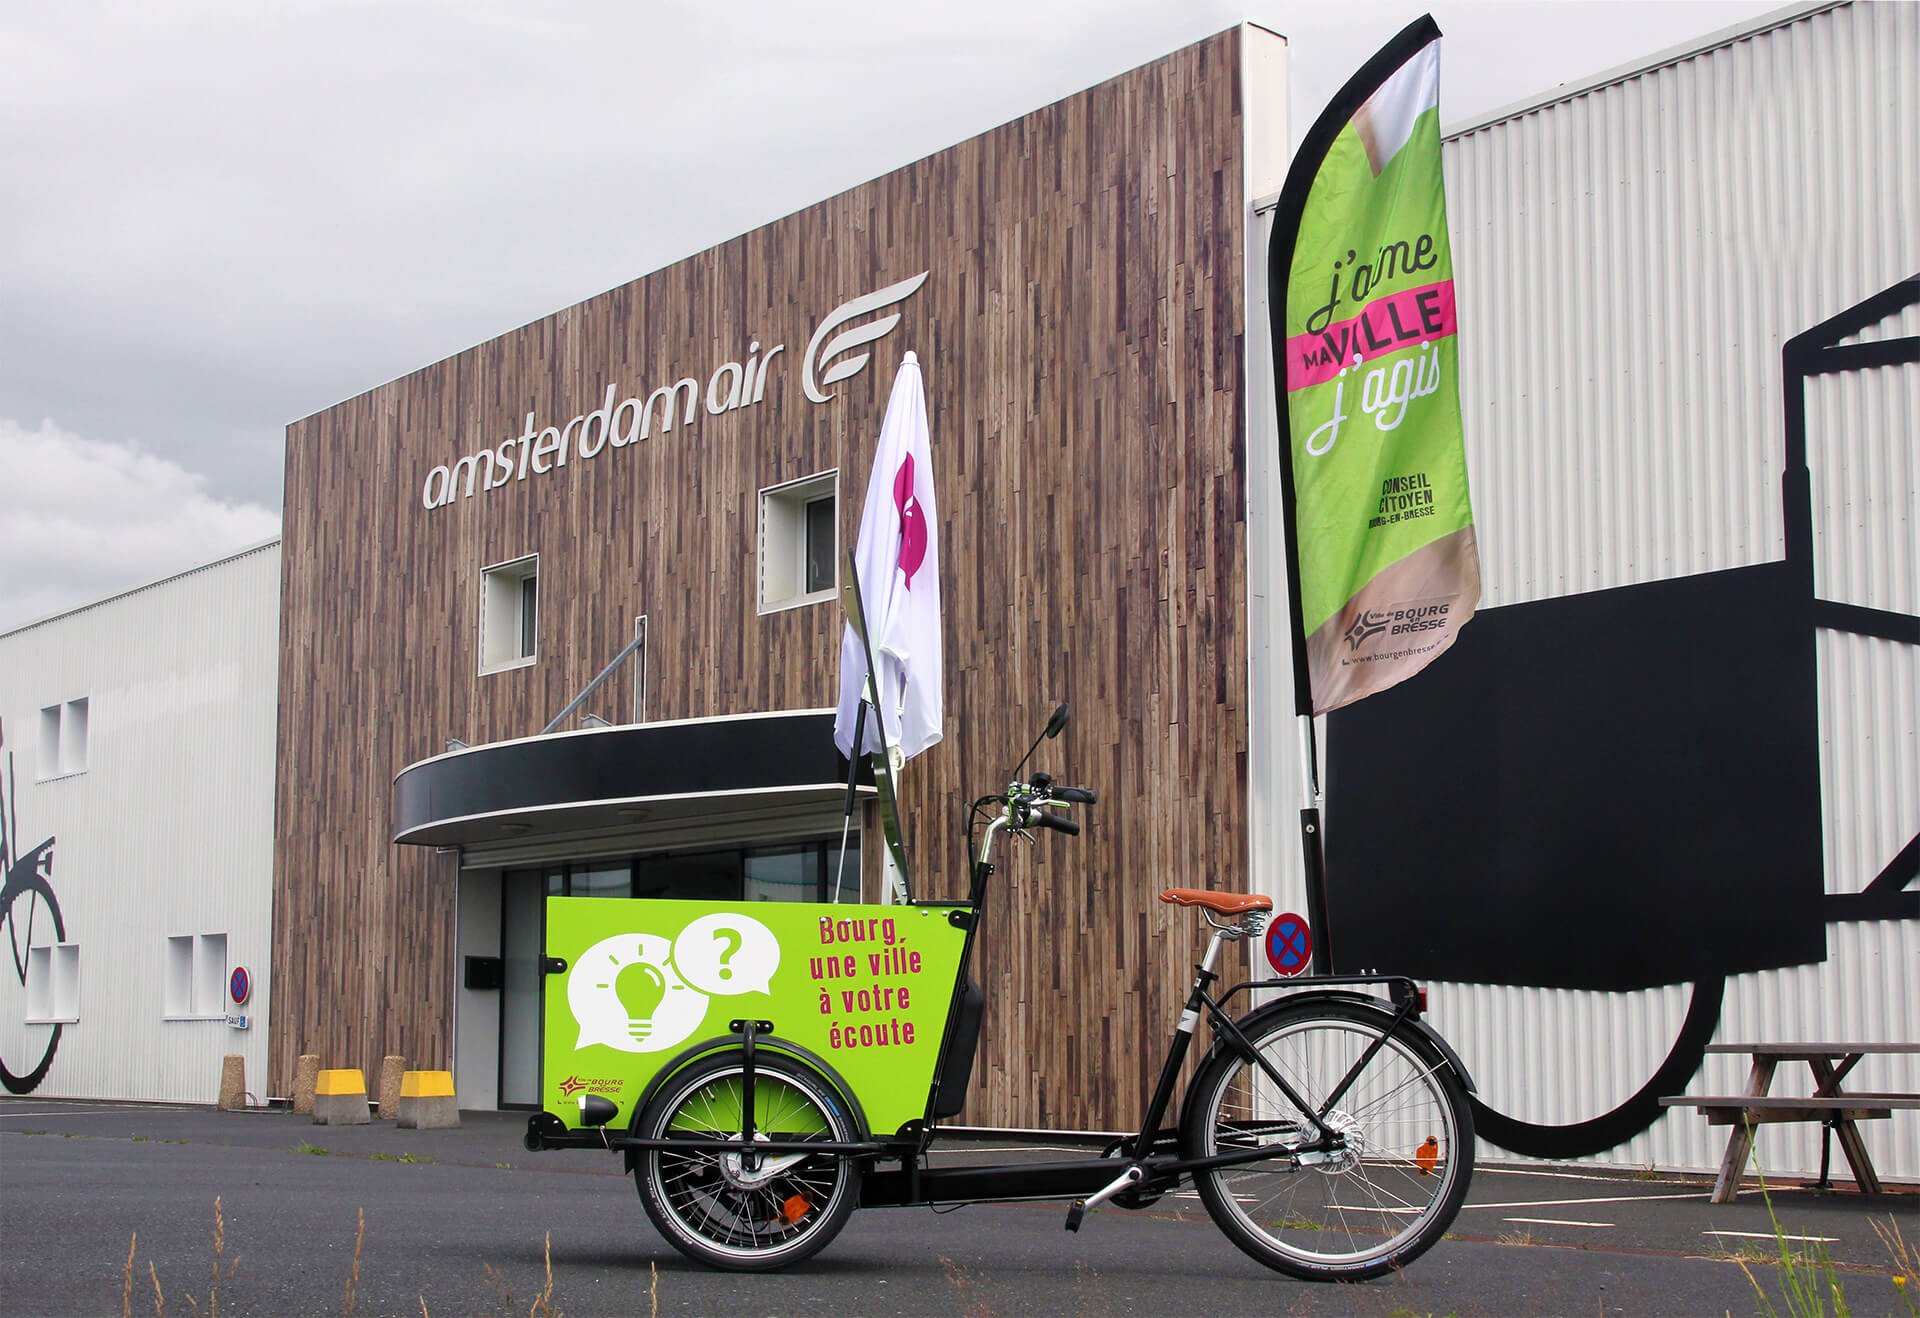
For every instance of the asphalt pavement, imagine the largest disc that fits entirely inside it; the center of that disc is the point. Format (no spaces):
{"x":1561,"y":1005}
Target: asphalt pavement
{"x":467,"y":1222}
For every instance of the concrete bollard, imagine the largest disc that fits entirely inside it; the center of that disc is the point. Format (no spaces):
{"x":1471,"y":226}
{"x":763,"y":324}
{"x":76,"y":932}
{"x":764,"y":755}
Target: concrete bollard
{"x":305,"y":1072}
{"x":391,"y":1069}
{"x":340,"y":1099}
{"x":233,"y":1083}
{"x":427,"y":1101}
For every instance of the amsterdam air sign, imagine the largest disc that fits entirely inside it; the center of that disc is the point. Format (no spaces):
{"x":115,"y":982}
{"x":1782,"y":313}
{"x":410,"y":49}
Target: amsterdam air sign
{"x":836,"y":352}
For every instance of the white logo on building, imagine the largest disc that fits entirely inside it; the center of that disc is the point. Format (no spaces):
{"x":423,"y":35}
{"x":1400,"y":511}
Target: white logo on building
{"x":838,"y":366}
{"x":833,"y":354}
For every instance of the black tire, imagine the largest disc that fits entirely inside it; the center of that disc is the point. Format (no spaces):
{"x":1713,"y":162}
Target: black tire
{"x":718,"y":1213}
{"x":1379,"y":1204}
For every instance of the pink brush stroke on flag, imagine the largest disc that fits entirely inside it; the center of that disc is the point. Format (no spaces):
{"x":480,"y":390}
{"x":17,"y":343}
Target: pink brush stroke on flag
{"x":913,"y":523}
{"x":1398,"y":321}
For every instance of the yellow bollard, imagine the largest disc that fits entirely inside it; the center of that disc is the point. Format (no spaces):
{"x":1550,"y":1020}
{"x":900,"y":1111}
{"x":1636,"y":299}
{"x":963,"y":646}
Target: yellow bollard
{"x":340,"y":1099}
{"x":427,"y":1101}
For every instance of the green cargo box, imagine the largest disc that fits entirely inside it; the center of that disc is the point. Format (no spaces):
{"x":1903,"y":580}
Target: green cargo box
{"x":866,"y":988}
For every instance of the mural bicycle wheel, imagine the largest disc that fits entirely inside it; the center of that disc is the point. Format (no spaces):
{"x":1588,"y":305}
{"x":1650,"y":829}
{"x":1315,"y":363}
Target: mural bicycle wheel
{"x":21,"y":898}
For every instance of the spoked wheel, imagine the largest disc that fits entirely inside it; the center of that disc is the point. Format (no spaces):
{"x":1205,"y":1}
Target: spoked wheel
{"x":1373,"y":1205}
{"x":716,"y":1209}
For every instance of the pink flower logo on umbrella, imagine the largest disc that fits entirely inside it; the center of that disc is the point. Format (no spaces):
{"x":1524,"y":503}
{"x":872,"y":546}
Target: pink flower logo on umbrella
{"x":913,"y":522}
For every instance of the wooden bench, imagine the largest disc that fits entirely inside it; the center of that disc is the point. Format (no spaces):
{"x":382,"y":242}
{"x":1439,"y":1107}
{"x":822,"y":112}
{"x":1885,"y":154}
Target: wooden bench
{"x":1830,"y":1105}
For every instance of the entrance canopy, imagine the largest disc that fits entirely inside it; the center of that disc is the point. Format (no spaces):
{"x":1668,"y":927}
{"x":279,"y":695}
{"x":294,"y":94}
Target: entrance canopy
{"x":599,"y":778}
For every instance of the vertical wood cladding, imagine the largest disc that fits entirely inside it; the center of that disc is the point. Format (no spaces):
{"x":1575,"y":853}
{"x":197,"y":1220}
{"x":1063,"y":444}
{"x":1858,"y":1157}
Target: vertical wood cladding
{"x":1080,"y":331}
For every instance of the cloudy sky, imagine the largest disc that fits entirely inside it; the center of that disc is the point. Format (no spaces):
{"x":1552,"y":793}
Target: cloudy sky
{"x":222,"y":215}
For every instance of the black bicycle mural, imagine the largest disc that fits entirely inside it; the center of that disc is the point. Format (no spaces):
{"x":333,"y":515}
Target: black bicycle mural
{"x":25,"y":894}
{"x":1618,"y":790}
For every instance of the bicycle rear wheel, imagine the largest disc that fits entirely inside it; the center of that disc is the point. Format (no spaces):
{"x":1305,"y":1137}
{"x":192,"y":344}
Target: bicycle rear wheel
{"x":1366,"y":1209}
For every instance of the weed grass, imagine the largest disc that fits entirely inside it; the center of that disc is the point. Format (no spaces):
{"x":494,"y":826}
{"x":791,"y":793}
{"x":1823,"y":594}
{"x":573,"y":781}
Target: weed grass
{"x":1810,"y":1282}
{"x":224,"y":1268}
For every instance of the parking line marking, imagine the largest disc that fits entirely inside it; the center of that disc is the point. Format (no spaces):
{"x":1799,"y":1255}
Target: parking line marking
{"x":1615,"y":1199}
{"x":1615,"y":1178}
{"x":1768,"y":1235}
{"x":1554,"y":1221}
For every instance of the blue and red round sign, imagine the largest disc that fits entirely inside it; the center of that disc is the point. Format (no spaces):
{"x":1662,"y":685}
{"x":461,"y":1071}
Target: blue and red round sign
{"x":240,"y":986}
{"x":1289,"y":944}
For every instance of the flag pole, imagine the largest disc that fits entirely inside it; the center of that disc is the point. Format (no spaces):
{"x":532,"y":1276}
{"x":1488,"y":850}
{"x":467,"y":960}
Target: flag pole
{"x":853,"y":778}
{"x":1301,"y":175}
{"x":883,"y":776}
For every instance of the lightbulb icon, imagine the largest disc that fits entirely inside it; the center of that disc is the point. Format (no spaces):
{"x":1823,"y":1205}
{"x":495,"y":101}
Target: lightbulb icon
{"x":640,"y":988}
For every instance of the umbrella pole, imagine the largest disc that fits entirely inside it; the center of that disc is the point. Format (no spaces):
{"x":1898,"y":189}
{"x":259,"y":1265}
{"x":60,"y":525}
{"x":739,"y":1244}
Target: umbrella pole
{"x":853,"y":777}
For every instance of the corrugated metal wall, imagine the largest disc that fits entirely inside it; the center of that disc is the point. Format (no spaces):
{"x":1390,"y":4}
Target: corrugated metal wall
{"x":1630,"y":262}
{"x":168,"y":831}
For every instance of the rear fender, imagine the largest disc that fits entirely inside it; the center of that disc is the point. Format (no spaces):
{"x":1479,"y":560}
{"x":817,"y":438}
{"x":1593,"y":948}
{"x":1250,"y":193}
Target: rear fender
{"x":1379,"y":1006}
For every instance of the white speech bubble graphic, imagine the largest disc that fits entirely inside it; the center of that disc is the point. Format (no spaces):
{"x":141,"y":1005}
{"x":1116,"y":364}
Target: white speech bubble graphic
{"x":726,"y":954}
{"x":624,"y":993}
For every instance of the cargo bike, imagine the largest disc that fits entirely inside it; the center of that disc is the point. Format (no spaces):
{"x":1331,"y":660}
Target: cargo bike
{"x":765,"y":1069}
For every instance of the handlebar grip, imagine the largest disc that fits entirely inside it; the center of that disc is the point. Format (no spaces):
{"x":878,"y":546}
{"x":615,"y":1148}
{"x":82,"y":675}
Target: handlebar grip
{"x":1041,"y":819}
{"x":1078,"y":795}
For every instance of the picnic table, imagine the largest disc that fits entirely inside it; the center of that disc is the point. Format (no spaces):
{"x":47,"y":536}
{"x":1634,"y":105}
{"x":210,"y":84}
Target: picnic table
{"x":1831,"y":1105}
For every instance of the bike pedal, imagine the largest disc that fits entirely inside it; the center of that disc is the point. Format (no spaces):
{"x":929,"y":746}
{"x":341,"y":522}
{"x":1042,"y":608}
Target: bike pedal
{"x":1076,"y":1214}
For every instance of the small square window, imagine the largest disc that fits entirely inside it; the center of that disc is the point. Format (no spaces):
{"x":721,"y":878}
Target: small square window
{"x":53,"y":984}
{"x":800,"y":542}
{"x":196,"y":977}
{"x":63,"y":740}
{"x":510,"y":614}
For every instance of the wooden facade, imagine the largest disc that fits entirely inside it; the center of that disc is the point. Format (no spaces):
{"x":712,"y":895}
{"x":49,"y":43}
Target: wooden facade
{"x":1081,"y":328}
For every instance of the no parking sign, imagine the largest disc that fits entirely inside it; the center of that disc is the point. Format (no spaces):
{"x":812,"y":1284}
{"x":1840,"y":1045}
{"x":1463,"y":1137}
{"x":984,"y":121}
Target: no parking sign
{"x":1289,"y":944}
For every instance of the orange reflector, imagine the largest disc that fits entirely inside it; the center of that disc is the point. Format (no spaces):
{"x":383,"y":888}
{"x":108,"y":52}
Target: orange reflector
{"x":1427,"y":1155}
{"x":794,"y":1209}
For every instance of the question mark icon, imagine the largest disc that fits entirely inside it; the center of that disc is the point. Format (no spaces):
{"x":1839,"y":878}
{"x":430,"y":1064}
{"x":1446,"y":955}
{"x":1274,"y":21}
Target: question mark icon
{"x":733,"y":940}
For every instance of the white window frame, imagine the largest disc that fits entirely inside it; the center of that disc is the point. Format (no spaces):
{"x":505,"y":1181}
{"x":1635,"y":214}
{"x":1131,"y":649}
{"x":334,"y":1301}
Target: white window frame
{"x":63,"y":740}
{"x":53,"y":984}
{"x":502,"y":622}
{"x":196,"y":978}
{"x":783,"y":541}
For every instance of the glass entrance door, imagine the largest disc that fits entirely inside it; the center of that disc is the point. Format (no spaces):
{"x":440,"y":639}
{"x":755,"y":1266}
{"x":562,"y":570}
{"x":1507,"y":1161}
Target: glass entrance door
{"x":522,"y":942}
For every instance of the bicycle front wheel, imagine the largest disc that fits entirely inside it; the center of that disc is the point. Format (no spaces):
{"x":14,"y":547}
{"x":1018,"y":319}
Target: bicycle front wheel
{"x":1372,"y":1205}
{"x":717,"y":1209}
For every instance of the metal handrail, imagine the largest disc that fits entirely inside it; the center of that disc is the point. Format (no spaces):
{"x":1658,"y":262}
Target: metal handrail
{"x":627,"y":650}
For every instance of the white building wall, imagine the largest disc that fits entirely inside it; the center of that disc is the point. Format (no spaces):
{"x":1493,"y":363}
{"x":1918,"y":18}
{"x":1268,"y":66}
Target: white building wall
{"x":168,"y":831}
{"x":1631,"y":257}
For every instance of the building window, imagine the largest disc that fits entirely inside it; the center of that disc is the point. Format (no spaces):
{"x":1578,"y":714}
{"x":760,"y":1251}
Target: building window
{"x":53,"y":984}
{"x":784,"y":871}
{"x":63,"y":740}
{"x":196,"y":977}
{"x":510,"y":614}
{"x":799,"y":542}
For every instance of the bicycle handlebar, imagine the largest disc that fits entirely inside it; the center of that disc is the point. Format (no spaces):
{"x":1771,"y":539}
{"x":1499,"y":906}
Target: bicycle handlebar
{"x":1041,"y":819}
{"x":1022,"y":807}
